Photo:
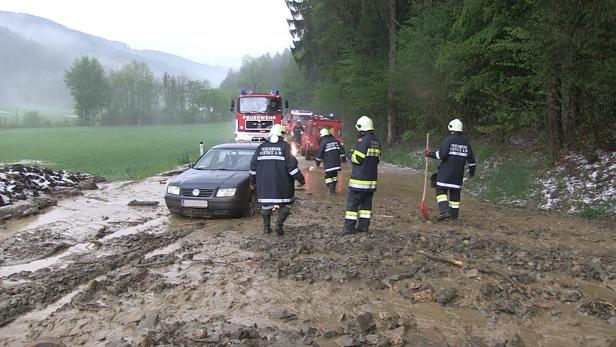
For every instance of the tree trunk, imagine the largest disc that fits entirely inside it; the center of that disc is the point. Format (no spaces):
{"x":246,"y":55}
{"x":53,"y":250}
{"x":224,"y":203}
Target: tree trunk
{"x":391,"y":109}
{"x":553,"y":116}
{"x":570,"y":111}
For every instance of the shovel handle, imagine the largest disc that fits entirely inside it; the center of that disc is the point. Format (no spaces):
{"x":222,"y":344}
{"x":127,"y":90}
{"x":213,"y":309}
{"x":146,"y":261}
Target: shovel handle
{"x":423,"y":197}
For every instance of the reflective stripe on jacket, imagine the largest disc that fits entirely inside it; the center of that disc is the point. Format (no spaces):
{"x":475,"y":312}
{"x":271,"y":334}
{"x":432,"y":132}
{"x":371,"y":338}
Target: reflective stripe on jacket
{"x":365,"y":159}
{"x":330,"y":153}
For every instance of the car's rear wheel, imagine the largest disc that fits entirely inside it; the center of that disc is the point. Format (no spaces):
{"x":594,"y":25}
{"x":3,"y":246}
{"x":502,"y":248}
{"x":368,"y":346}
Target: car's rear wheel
{"x":253,"y":206}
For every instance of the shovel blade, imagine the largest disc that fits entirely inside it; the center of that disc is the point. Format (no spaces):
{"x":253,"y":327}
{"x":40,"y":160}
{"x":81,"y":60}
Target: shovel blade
{"x":424,"y":210}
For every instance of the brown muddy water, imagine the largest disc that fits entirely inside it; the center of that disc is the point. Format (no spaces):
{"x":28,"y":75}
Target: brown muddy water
{"x":93,"y":271}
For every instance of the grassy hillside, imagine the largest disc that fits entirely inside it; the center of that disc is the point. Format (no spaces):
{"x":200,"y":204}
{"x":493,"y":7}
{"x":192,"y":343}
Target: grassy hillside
{"x":112,"y":152}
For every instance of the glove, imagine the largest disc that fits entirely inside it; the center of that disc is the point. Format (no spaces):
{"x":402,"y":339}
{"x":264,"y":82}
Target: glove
{"x":426,"y":152}
{"x":317,"y":162}
{"x":253,"y":186}
{"x":471,"y":172}
{"x":302,"y":182}
{"x":343,"y":159}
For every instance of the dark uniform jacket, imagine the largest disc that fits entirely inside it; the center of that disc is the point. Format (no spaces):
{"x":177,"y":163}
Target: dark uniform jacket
{"x":454,"y":152}
{"x":330,"y":153}
{"x":297,"y":131}
{"x":365,"y":159}
{"x":273,"y":169}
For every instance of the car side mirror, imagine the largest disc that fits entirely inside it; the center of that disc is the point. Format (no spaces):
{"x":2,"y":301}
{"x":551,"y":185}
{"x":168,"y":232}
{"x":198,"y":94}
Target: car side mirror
{"x":286,"y":104}
{"x":191,"y":165}
{"x":232,"y":105}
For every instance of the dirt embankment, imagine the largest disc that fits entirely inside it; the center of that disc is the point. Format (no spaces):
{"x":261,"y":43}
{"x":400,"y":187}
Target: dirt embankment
{"x":127,"y":276}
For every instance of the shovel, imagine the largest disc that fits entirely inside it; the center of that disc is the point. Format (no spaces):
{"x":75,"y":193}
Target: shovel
{"x":422,"y":205}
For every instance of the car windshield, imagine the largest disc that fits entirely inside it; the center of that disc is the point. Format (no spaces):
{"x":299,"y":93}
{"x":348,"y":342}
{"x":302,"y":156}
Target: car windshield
{"x":260,"y":105}
{"x":226,"y":159}
{"x":301,"y":117}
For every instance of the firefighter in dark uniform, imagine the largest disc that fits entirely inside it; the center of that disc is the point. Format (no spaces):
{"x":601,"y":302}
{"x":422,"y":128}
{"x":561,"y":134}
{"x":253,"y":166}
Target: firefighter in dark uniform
{"x":273,"y":170}
{"x":298,"y":130}
{"x":362,"y":185}
{"x":454,"y":153}
{"x":331,"y":154}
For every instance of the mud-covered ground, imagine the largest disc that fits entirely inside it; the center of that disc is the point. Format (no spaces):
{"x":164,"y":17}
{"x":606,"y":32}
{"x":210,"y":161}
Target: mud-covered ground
{"x":94,"y":271}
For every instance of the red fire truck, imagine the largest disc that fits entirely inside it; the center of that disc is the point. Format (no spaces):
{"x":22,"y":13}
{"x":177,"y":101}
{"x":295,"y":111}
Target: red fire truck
{"x":296,"y":117}
{"x":310,"y":139}
{"x":255,"y":113}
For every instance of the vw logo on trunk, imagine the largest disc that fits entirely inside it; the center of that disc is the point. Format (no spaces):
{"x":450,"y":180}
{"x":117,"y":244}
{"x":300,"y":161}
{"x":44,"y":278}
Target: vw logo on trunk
{"x":195,"y":192}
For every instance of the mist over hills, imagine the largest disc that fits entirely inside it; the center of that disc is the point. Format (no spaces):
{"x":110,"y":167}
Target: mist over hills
{"x":36,"y":51}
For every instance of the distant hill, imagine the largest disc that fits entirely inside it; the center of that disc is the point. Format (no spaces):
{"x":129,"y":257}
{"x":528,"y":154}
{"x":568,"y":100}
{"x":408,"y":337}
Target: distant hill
{"x":36,"y":51}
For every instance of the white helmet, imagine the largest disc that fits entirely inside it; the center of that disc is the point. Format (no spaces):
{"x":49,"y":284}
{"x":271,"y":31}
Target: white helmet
{"x":323,"y":132}
{"x":364,"y":123}
{"x":277,"y":130}
{"x":455,"y":125}
{"x":276,"y":133}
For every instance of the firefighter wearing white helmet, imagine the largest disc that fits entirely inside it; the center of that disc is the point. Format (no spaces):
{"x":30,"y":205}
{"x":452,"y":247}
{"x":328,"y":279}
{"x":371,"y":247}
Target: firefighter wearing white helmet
{"x":454,"y":153}
{"x":273,"y":170}
{"x":331,"y":154}
{"x":365,"y":159}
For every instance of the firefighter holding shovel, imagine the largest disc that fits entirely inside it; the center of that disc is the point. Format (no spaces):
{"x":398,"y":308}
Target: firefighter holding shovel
{"x":454,"y":153}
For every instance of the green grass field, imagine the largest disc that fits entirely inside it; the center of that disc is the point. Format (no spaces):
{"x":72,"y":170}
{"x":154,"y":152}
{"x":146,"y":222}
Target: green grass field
{"x":112,"y":152}
{"x":11,"y":116}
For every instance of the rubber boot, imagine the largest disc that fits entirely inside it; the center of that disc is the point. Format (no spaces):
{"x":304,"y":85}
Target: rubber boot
{"x":363,"y":225}
{"x":332,"y":188}
{"x":283,"y":214}
{"x":267,"y":215}
{"x":443,"y":208}
{"x":453,"y":213}
{"x":349,"y":227}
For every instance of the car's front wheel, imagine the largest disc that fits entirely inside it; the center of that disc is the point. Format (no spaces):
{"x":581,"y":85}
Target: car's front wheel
{"x":252,"y":207}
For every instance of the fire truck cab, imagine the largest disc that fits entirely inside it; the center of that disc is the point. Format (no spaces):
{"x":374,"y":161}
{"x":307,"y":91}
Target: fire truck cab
{"x":310,"y":139}
{"x":296,"y":117}
{"x":255,"y":113}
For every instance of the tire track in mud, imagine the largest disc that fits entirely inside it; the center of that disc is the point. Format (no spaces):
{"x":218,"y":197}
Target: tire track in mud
{"x":44,"y":286}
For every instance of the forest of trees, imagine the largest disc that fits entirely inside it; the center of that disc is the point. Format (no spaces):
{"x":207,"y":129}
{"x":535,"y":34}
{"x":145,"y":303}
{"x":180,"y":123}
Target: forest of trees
{"x":543,"y":67}
{"x":134,"y":96}
{"x":499,"y":65}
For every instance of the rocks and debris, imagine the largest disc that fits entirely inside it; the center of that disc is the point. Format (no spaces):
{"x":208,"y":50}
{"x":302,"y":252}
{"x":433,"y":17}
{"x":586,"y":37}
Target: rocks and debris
{"x":230,"y":285}
{"x":445,"y":296}
{"x":25,"y":190}
{"x":598,"y":307}
{"x":142,"y":203}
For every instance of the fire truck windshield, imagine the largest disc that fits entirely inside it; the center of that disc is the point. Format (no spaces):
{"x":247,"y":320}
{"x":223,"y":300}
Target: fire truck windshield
{"x":260,"y":105}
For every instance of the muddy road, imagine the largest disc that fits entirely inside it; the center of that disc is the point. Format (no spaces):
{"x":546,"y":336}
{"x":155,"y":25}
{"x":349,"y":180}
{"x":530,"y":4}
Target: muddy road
{"x":94,"y":271}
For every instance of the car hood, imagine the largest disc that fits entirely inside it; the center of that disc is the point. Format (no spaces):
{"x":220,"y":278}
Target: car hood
{"x":209,"y":178}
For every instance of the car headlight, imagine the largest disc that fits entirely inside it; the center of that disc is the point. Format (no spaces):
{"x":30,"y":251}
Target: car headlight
{"x":223,"y":192}
{"x":173,"y":190}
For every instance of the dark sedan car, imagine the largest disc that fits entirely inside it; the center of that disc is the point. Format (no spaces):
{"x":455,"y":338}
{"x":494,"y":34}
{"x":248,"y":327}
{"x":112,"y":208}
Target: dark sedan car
{"x":217,"y":184}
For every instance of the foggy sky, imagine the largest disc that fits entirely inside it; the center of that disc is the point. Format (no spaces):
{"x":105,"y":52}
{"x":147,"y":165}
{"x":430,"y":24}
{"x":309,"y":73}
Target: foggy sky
{"x":218,"y":32}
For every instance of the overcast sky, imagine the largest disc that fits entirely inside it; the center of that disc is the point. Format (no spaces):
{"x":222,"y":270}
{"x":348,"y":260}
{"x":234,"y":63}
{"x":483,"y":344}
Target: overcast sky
{"x":217,"y":32}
